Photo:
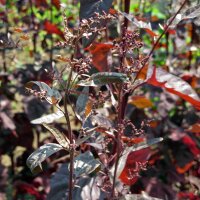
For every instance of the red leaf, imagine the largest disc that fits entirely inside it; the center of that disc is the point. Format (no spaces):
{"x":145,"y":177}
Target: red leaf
{"x":99,"y":53}
{"x":56,"y":3}
{"x":41,"y":3}
{"x":187,"y":195}
{"x":25,"y":188}
{"x":3,"y":2}
{"x":52,"y":29}
{"x":185,"y":168}
{"x":136,"y":161}
{"x":161,"y":78}
{"x":187,"y":140}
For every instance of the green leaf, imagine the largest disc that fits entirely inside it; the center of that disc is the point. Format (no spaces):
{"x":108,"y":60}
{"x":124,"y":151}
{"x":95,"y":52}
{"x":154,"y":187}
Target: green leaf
{"x":51,"y":95}
{"x":48,"y":118}
{"x":85,"y":164}
{"x":60,"y":137}
{"x":37,"y":157}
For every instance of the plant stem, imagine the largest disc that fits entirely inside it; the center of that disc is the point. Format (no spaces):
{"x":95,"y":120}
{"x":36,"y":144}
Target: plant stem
{"x":51,"y":36}
{"x":122,"y":102}
{"x":70,"y":134}
{"x":159,"y":38}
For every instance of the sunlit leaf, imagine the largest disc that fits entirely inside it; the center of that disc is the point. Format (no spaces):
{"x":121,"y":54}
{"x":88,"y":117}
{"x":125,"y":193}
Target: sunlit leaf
{"x":85,"y":164}
{"x":161,"y":78}
{"x":140,"y":24}
{"x":52,"y":29}
{"x":138,"y":197}
{"x":195,"y":128}
{"x":141,"y":102}
{"x":48,"y":118}
{"x":51,"y":95}
{"x":24,"y":37}
{"x":135,"y":148}
{"x":62,"y":58}
{"x":191,"y":144}
{"x":18,"y":30}
{"x":60,"y":137}
{"x":190,"y":13}
{"x":37,"y":157}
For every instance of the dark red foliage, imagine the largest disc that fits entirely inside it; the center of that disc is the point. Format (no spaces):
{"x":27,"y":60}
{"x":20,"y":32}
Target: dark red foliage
{"x":99,"y":53}
{"x":52,"y":29}
{"x":161,"y":78}
{"x":136,"y":162}
{"x":25,"y":188}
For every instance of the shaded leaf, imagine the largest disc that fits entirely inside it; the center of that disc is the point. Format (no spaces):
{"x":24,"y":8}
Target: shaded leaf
{"x":88,"y":8}
{"x":86,"y":137}
{"x":99,"y":53}
{"x":185,"y":168}
{"x":85,"y":188}
{"x":81,"y":104}
{"x":85,"y":164}
{"x":48,"y":118}
{"x":161,"y":78}
{"x":53,"y":96}
{"x":6,"y":121}
{"x":38,"y":156}
{"x":60,"y":137}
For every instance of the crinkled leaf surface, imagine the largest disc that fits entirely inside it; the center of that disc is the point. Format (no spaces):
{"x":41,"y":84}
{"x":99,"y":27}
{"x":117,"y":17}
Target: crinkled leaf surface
{"x":60,"y":137}
{"x":88,"y":8}
{"x":38,"y":156}
{"x":51,"y":95}
{"x":103,"y":78}
{"x":48,"y":118}
{"x":85,"y":164}
{"x":161,"y":78}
